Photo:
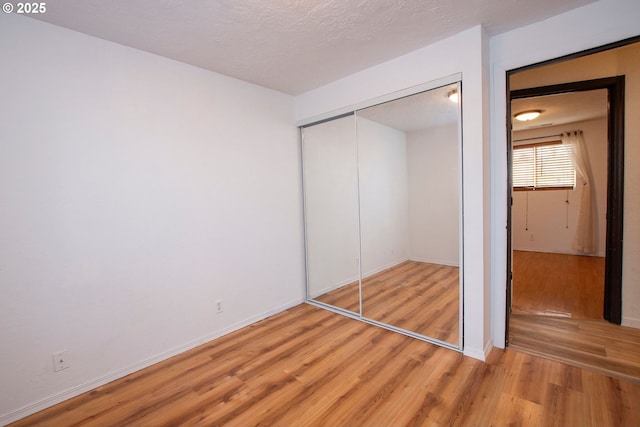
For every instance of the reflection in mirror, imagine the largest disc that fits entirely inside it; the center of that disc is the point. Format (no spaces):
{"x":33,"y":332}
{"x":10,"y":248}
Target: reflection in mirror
{"x":330,"y":177}
{"x":409,"y":181}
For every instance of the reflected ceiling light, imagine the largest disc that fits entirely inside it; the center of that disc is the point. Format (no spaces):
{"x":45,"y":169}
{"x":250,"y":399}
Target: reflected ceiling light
{"x":525,"y":116}
{"x":453,"y":95}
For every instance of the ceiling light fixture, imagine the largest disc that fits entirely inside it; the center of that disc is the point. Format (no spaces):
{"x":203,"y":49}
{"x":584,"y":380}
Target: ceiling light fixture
{"x":525,"y":116}
{"x":453,"y":96}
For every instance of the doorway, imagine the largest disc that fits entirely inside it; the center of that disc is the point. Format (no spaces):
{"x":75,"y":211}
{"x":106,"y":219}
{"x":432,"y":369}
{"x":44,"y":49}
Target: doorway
{"x":566,"y":320}
{"x":578,"y":104}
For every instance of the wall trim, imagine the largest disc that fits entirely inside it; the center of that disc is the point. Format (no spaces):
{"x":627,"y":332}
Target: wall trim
{"x":356,"y":278}
{"x":384,"y":267}
{"x":330,"y":288}
{"x":448,"y":263}
{"x":551,"y":251}
{"x":631,"y":322}
{"x":481,"y":355}
{"x":120,"y":373}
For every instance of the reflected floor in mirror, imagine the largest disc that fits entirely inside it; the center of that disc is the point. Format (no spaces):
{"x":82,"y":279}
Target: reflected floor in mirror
{"x":415,"y":296}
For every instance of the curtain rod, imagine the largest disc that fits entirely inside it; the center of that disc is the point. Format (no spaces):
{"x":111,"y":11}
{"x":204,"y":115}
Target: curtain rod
{"x":537,"y":137}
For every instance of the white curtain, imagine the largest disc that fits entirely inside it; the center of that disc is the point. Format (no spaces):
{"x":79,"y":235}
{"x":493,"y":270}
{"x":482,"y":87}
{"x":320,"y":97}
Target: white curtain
{"x":585,"y":237}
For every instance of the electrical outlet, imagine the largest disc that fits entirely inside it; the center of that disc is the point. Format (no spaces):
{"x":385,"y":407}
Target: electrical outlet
{"x":531,"y":237}
{"x":60,"y":361}
{"x":219,"y":306}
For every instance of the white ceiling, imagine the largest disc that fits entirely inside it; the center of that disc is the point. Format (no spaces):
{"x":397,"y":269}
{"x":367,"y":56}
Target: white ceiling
{"x":561,"y":109}
{"x":291,"y":45}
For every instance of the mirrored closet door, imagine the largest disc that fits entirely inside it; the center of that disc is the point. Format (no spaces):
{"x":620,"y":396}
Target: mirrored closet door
{"x":330,"y":175}
{"x":383,"y":214}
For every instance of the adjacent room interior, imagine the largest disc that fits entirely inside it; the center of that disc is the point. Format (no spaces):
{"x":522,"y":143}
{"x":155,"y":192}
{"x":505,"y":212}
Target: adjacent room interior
{"x":560,"y":213}
{"x":275,"y":213}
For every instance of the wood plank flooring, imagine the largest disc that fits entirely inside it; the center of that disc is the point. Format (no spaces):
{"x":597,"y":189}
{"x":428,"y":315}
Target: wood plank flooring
{"x":558,"y":285}
{"x":415,"y":296}
{"x":310,"y":367}
{"x":592,"y":344}
{"x":557,"y":313}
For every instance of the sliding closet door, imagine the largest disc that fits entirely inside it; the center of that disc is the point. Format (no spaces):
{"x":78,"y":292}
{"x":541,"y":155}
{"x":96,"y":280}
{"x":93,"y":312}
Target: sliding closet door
{"x":382,"y":192}
{"x":410,"y":210}
{"x":330,"y":178}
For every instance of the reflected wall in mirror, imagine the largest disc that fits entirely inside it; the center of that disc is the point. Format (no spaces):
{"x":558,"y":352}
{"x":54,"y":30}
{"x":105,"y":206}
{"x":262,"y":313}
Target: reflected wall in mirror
{"x":409,"y":163}
{"x":330,"y":176}
{"x":383,"y":214}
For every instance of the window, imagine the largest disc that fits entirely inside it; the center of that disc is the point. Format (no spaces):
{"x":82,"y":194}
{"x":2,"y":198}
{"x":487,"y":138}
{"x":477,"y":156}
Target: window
{"x":543,"y":166}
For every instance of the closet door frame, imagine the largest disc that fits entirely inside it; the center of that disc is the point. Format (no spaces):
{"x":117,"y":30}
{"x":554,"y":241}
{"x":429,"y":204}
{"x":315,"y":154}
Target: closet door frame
{"x":350,"y":111}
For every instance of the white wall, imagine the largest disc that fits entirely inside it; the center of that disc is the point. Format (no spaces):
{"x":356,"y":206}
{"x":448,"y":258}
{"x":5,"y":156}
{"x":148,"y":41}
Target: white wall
{"x":135,"y":191}
{"x":330,"y":156}
{"x":131,"y":184}
{"x":434,"y":197}
{"x":464,"y":53}
{"x":590,"y":26}
{"x":547,"y":211}
{"x":384,"y":204}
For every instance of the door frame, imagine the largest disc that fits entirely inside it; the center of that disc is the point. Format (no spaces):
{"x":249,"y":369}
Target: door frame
{"x":611,"y":272}
{"x":612,"y":310}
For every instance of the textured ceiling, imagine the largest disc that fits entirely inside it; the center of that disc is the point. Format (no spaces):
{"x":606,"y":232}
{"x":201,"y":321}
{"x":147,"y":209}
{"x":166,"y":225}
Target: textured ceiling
{"x":291,"y":45}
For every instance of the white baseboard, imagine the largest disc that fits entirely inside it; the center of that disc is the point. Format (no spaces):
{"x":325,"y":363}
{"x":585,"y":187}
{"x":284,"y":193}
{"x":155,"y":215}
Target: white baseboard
{"x":448,"y":263}
{"x":550,"y":251}
{"x":384,"y":267}
{"x":487,"y":349}
{"x":90,"y":385}
{"x":330,"y":288}
{"x":631,"y":322}
{"x":479,"y":354}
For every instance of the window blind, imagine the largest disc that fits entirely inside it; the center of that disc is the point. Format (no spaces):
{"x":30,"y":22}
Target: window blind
{"x":543,"y":166}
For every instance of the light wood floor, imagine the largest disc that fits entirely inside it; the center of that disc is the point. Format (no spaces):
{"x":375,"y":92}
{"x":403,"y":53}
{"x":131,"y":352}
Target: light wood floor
{"x":310,"y":367}
{"x":415,"y":296}
{"x":557,"y":313}
{"x":592,"y":344}
{"x":558,"y":285}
